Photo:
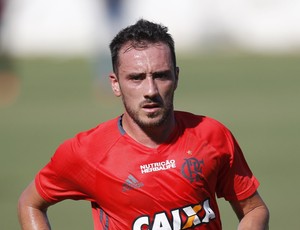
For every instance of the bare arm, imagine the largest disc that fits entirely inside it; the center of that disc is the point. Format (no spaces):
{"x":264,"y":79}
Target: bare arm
{"x":252,"y":213}
{"x":32,"y":210}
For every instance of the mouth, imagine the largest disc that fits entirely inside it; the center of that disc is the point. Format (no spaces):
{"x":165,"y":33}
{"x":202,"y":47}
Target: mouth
{"x":151,"y":107}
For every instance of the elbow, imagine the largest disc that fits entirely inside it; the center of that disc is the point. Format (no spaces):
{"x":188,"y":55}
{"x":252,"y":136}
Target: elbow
{"x":21,"y":202}
{"x":258,"y":218}
{"x":22,"y":208}
{"x":266,"y":216}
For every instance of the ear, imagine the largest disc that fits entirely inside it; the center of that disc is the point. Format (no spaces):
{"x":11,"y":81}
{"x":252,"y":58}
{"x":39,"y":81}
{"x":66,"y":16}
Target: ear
{"x":114,"y":81}
{"x":176,"y":76}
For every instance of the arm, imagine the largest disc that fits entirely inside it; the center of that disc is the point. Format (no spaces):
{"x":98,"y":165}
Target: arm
{"x":32,"y":210}
{"x":252,"y":213}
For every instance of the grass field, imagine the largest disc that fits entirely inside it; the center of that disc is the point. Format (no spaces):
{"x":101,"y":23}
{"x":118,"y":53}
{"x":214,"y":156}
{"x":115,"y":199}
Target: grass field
{"x":256,"y":97}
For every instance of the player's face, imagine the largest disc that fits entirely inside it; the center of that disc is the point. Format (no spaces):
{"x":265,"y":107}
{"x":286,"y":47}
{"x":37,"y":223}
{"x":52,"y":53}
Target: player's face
{"x":146,"y":82}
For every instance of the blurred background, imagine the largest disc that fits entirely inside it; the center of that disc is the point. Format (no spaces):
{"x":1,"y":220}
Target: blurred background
{"x":239,"y":60}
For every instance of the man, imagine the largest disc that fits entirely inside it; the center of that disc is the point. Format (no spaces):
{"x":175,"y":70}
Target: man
{"x":153,"y":167}
{"x":9,"y":81}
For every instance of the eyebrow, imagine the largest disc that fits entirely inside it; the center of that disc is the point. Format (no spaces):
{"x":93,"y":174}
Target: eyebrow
{"x":134,"y":74}
{"x":167,"y":72}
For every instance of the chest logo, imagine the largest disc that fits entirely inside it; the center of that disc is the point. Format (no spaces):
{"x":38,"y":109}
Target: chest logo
{"x":158,"y":166}
{"x":192,"y":169}
{"x":132,"y":183}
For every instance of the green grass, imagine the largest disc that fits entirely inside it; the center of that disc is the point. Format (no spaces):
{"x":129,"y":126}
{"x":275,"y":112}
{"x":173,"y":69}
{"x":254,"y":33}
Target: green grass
{"x":256,"y":97}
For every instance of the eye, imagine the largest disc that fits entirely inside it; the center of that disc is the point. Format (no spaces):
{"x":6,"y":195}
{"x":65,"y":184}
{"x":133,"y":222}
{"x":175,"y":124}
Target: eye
{"x":136,"y":77}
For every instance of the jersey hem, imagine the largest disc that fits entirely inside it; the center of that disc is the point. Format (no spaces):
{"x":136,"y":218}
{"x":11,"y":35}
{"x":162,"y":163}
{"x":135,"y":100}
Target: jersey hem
{"x":41,"y":191}
{"x":247,"y":193}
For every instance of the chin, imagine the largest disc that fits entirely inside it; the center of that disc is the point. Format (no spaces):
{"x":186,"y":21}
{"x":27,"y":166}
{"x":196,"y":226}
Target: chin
{"x":151,"y":121}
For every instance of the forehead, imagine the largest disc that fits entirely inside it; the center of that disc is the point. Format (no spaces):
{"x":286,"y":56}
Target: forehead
{"x":145,"y":53}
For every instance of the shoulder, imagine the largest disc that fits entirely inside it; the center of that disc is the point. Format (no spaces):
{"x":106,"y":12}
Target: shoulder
{"x":199,"y":122}
{"x":105,"y":130}
{"x":205,"y":128}
{"x":86,"y":143}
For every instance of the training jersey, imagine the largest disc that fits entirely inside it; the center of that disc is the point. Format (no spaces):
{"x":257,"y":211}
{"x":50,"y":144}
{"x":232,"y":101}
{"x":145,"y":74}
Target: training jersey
{"x":131,"y":186}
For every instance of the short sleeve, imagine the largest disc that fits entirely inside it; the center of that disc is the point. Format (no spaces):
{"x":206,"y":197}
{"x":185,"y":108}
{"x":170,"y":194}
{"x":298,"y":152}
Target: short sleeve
{"x":235,"y":179}
{"x":63,"y":177}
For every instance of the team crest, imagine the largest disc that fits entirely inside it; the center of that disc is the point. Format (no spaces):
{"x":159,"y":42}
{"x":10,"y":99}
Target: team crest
{"x":192,"y":169}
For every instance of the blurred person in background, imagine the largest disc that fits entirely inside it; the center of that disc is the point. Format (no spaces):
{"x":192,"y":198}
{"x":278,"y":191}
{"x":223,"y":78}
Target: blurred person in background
{"x":153,"y":167}
{"x":114,"y":19}
{"x":9,"y":82}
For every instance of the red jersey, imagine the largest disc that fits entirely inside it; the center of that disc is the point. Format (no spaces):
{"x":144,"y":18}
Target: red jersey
{"x":135,"y":187}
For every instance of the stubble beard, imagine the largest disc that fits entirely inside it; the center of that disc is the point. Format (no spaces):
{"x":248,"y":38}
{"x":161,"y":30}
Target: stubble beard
{"x":151,"y":120}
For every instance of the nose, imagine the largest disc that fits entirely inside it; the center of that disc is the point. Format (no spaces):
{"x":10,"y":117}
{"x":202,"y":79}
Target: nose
{"x":151,"y":89}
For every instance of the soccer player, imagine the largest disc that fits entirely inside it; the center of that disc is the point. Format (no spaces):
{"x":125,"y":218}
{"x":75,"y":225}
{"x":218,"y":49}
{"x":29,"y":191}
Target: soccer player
{"x":152,"y":167}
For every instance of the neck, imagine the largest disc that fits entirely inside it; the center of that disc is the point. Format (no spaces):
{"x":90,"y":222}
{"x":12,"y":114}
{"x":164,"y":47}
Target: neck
{"x":151,"y":136}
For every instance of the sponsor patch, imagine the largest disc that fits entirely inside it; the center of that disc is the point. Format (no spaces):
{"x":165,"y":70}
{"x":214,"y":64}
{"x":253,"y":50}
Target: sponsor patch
{"x":158,"y":166}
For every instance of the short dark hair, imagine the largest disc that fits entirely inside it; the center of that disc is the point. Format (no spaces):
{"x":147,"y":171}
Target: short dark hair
{"x":141,"y":33}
